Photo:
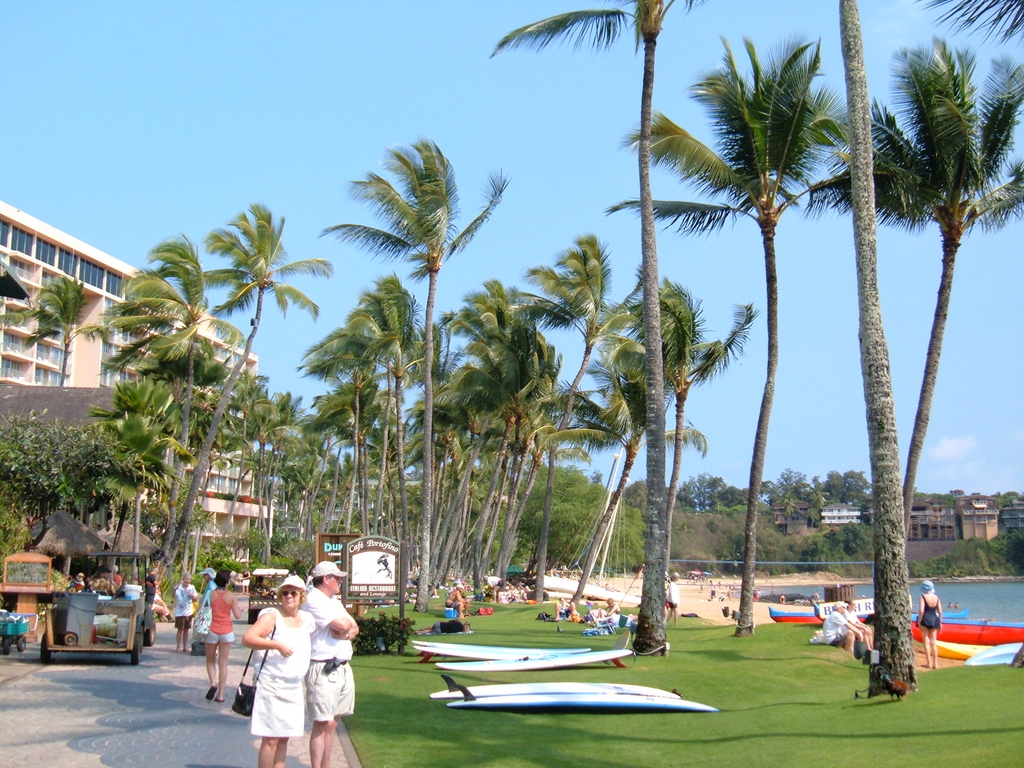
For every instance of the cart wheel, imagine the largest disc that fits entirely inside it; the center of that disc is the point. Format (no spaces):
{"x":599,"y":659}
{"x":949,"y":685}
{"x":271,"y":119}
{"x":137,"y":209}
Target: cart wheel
{"x":45,"y":656}
{"x":7,"y":645}
{"x":70,"y":638}
{"x":20,"y":642}
{"x":136,"y":651}
{"x":149,"y":637}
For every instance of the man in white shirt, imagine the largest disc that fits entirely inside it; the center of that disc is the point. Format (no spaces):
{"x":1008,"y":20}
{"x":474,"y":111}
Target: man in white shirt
{"x":835,"y":629}
{"x":330,"y":689}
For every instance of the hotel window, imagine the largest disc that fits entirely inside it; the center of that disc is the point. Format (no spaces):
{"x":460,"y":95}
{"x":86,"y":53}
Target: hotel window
{"x":13,"y":344}
{"x":114,"y":284}
{"x":12,"y":369}
{"x":68,"y":263}
{"x":47,"y":378}
{"x":21,"y":268}
{"x":46,"y":252}
{"x":5,"y":232}
{"x":91,"y":273}
{"x":21,"y":241}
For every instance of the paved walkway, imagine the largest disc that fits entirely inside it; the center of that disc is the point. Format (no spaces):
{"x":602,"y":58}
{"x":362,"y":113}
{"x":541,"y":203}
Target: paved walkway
{"x":98,"y":710}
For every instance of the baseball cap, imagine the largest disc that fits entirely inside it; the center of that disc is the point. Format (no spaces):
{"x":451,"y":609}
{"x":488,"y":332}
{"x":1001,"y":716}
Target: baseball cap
{"x":292,"y":581}
{"x":327,"y":568}
{"x":208,"y":572}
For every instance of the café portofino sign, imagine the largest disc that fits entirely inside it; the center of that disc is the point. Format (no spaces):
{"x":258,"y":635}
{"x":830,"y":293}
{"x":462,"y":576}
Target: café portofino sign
{"x":374,"y":569}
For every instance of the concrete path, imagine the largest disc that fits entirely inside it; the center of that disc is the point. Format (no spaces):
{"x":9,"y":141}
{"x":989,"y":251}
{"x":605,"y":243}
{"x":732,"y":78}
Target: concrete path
{"x":97,"y":710}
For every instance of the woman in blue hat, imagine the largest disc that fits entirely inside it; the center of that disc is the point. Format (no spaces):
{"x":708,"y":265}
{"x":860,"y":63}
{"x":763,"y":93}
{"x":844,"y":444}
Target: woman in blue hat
{"x":929,"y":619}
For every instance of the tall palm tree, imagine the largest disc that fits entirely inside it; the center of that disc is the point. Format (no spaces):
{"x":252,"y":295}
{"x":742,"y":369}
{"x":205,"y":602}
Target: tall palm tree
{"x":166,"y":308}
{"x":601,"y":28}
{"x":253,"y":246}
{"x":691,"y":359}
{"x":419,"y":213}
{"x":1002,"y":18}
{"x":574,"y":294}
{"x":773,"y":132}
{"x":943,"y":158}
{"x":892,"y":637}
{"x":58,"y":313}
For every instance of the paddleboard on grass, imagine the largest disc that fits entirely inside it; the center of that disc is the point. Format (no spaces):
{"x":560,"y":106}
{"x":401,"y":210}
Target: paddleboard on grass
{"x":486,"y":652}
{"x":592,"y":703}
{"x":553,"y":689}
{"x":997,"y":654}
{"x":550,"y":661}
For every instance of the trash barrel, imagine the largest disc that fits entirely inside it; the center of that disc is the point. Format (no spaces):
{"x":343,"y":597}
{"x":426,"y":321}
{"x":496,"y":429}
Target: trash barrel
{"x":844,"y":592}
{"x":73,"y":614}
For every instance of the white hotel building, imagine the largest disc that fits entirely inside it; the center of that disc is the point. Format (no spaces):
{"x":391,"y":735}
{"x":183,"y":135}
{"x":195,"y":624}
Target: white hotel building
{"x":37,"y":253}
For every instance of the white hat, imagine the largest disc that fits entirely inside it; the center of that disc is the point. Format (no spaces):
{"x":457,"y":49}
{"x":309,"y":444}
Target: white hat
{"x":292,"y":581}
{"x":327,"y":568}
{"x":209,"y":572}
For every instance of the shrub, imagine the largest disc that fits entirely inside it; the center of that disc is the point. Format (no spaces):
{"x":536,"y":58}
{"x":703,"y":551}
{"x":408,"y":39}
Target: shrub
{"x":394,"y":631}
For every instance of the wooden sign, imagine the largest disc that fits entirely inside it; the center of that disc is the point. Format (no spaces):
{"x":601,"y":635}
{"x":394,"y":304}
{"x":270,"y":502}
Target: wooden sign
{"x":27,"y":572}
{"x":374,"y":569}
{"x":331,"y":547}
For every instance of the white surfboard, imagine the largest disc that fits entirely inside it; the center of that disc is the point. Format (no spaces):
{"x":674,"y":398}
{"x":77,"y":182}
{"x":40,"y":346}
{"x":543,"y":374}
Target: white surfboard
{"x":550,"y":661}
{"x":594,"y":703}
{"x":554,"y":689}
{"x":997,"y":654}
{"x":484,"y":652}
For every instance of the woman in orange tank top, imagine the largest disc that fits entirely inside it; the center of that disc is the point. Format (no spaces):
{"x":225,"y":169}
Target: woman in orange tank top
{"x":224,"y":606}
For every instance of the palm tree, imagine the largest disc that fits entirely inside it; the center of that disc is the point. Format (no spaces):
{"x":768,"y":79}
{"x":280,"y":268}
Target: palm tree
{"x":691,"y":359}
{"x":773,"y":132}
{"x":942,"y":159}
{"x":252,"y":244}
{"x":601,"y":28}
{"x":419,"y":216}
{"x":892,"y":637}
{"x":165,"y":310}
{"x":574,"y":295}
{"x":58,"y":313}
{"x":1003,"y":18}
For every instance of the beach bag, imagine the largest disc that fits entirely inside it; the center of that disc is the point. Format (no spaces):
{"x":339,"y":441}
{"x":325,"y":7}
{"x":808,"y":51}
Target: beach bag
{"x":245,"y":695}
{"x":203,"y":620}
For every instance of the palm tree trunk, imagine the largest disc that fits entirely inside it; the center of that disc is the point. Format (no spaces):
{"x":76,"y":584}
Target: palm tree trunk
{"x":512,"y":519}
{"x":203,"y":463}
{"x":677,"y":466}
{"x":384,"y":456}
{"x":424,"y":588}
{"x":950,"y":246}
{"x":892,"y":612}
{"x":483,"y":519}
{"x":64,"y":363}
{"x":400,"y":460}
{"x":549,"y":489}
{"x":602,"y":525}
{"x":745,"y":625}
{"x":651,"y":628}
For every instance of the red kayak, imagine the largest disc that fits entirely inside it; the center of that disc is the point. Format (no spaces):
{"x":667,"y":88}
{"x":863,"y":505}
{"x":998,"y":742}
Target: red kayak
{"x":793,"y":615}
{"x":976,"y":632}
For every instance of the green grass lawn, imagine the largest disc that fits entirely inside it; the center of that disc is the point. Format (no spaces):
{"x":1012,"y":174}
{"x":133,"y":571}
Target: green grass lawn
{"x":783,"y":702}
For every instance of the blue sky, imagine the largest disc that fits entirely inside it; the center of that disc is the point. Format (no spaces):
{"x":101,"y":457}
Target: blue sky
{"x":127,"y":123}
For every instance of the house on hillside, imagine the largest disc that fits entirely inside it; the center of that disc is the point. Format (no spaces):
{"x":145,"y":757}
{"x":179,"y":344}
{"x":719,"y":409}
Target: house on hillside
{"x":792,"y":518}
{"x":932,"y":520}
{"x":840,"y":514}
{"x":1011,"y":518}
{"x":979,"y":517}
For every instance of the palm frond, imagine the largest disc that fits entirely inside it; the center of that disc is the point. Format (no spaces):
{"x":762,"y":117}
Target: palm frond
{"x":598,"y":29}
{"x":997,"y":18}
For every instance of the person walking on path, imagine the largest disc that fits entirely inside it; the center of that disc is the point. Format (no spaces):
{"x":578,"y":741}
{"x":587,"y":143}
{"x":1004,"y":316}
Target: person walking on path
{"x":283,"y":634}
{"x":929,"y":619}
{"x":224,"y":606}
{"x":185,"y":596}
{"x":330,"y":688}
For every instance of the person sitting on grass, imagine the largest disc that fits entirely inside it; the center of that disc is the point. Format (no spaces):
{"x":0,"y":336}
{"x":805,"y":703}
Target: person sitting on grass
{"x":566,"y":609}
{"x":457,"y":600}
{"x":840,"y":631}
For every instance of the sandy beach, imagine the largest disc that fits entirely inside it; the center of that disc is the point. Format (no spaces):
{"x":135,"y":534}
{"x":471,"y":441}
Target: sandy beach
{"x":696,"y":598}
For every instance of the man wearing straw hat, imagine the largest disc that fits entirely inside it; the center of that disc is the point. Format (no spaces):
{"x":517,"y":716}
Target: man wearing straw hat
{"x":330,"y":689}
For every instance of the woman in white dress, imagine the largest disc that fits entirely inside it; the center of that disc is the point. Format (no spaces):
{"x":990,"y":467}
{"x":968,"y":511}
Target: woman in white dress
{"x":283,"y":634}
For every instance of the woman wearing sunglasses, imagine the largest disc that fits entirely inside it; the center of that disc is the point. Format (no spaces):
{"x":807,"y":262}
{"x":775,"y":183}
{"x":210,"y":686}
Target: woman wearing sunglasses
{"x":279,"y":709}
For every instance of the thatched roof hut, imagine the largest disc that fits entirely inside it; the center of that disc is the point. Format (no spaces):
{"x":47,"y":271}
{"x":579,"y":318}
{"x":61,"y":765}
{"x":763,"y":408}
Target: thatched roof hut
{"x":126,"y":542}
{"x":64,"y":536}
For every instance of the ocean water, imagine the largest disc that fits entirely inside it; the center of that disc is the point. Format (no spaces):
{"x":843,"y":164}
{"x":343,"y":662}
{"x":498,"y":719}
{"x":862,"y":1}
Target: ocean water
{"x":998,"y":601}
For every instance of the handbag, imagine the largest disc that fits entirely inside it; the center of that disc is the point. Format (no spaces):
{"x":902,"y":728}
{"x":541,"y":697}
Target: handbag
{"x":245,"y":695}
{"x":203,"y":620}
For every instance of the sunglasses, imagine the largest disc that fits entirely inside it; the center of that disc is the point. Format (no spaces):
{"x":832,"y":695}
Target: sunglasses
{"x":289,"y":592}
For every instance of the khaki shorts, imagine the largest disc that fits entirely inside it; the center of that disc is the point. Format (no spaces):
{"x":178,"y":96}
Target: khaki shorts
{"x":329,"y":696}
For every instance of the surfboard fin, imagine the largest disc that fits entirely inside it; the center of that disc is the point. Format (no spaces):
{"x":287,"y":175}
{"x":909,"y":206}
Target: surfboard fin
{"x":453,"y":686}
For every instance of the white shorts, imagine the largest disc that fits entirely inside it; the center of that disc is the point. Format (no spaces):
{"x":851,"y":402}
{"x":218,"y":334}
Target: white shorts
{"x":329,"y":696}
{"x":213,"y":637}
